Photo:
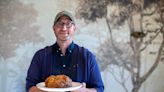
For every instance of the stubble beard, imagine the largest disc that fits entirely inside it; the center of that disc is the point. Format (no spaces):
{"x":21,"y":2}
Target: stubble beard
{"x":68,"y":38}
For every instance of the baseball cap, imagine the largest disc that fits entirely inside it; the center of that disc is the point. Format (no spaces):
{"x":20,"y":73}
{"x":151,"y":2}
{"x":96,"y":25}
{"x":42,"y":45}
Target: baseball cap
{"x":64,"y":13}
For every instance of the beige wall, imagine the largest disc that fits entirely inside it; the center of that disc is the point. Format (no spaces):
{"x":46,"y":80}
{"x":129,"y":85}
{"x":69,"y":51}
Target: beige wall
{"x":26,"y":26}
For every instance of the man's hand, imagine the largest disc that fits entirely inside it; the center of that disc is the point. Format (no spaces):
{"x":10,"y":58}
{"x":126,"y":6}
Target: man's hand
{"x":84,"y":89}
{"x":35,"y":89}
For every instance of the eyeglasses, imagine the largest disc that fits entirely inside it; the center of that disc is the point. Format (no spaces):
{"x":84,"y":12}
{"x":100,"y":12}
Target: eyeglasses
{"x":60,"y":24}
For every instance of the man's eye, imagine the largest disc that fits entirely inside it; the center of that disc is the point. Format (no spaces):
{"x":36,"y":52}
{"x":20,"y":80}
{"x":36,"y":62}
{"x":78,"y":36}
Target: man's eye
{"x":60,"y":23}
{"x":67,"y":24}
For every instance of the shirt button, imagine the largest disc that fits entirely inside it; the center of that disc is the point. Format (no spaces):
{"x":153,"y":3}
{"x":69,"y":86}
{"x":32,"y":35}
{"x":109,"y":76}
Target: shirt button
{"x":74,"y":66}
{"x":64,"y":65}
{"x":70,"y":51}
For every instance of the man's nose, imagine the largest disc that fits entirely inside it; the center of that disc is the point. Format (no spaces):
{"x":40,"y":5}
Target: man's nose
{"x":64,"y":27}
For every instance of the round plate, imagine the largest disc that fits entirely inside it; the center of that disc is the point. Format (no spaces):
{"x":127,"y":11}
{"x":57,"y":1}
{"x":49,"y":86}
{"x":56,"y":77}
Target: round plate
{"x":75,"y":86}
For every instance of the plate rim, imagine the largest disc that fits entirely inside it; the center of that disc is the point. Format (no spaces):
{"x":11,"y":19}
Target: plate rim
{"x":58,"y":89}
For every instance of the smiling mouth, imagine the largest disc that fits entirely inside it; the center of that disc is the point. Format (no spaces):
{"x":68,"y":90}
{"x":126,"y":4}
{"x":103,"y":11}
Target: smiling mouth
{"x":63,"y":34}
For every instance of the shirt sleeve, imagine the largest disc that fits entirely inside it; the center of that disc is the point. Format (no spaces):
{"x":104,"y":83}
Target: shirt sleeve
{"x":33,"y":74}
{"x":95,"y":80}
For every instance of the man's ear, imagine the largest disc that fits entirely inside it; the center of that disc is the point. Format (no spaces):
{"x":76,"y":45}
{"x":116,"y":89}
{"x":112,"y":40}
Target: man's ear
{"x":53,"y":27}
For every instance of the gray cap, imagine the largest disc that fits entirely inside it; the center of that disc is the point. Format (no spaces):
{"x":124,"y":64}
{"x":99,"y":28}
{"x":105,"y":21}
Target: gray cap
{"x":64,"y":13}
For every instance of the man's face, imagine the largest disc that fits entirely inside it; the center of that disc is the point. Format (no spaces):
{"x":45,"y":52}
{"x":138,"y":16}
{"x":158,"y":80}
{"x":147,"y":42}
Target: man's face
{"x":64,"y":29}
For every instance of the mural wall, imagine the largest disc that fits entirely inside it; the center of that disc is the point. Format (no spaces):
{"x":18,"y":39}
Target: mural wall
{"x":127,"y":37}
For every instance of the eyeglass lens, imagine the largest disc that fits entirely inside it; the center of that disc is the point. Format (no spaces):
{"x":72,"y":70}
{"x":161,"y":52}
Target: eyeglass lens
{"x":61,"y":24}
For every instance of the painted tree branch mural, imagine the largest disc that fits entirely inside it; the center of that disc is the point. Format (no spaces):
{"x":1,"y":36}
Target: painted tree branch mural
{"x":145,"y":21}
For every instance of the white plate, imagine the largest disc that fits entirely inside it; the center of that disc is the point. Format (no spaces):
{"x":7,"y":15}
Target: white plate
{"x":75,"y":86}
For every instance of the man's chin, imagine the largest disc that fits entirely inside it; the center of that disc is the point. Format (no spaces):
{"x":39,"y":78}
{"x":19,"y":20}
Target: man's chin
{"x":65,"y":38}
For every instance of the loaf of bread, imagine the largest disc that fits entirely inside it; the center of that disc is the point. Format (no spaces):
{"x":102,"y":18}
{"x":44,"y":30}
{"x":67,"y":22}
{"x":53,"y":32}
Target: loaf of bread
{"x":58,"y":81}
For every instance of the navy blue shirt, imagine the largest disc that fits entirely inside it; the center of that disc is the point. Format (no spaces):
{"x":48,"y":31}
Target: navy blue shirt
{"x":78,"y":63}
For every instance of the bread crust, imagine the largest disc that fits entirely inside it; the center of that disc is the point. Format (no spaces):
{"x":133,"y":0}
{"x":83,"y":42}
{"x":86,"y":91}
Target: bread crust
{"x":58,"y":81}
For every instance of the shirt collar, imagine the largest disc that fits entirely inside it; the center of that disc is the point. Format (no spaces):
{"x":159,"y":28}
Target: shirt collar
{"x":56,"y":48}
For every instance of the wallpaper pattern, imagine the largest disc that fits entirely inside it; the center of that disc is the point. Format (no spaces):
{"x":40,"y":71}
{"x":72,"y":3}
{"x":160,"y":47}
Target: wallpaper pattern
{"x":127,"y":37}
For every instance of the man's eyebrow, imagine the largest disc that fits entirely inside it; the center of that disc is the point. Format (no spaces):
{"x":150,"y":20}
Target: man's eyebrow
{"x":64,"y":21}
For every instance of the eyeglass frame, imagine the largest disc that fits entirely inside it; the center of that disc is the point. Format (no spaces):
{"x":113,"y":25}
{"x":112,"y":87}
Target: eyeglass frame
{"x":61,"y":24}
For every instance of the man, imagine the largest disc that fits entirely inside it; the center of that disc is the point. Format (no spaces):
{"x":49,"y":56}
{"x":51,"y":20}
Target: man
{"x":65,"y":57}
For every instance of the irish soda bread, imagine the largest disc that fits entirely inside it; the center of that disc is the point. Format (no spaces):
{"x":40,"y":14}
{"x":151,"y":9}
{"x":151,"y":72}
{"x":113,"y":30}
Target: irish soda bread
{"x":58,"y":81}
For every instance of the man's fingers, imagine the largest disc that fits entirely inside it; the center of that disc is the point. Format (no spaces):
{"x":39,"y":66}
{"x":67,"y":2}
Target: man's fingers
{"x":84,"y":85}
